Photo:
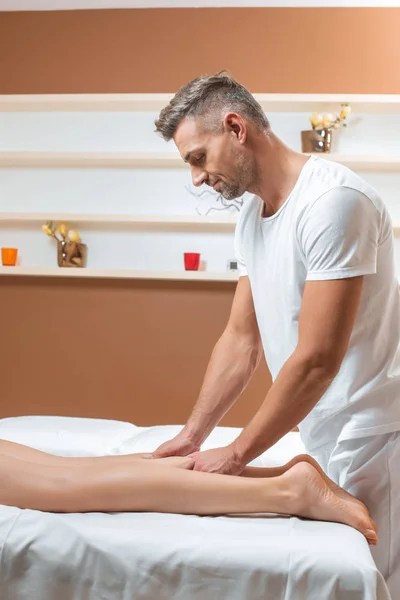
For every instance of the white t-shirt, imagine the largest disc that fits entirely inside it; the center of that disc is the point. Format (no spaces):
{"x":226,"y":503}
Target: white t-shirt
{"x":333,"y":225}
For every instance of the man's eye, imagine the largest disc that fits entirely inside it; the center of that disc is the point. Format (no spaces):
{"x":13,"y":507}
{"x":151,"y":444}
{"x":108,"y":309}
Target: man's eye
{"x":200,"y":158}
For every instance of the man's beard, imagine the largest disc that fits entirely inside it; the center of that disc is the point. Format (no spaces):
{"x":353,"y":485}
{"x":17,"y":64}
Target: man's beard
{"x":244,"y":172}
{"x":230,"y":191}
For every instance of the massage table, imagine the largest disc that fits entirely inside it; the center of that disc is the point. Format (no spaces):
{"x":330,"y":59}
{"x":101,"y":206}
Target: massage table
{"x":152,"y":556}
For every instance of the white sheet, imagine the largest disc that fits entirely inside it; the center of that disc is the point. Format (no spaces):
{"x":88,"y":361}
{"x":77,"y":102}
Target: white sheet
{"x":149,"y":556}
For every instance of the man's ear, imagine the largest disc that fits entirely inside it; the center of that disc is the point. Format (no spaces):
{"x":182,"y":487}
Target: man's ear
{"x":234,"y":123}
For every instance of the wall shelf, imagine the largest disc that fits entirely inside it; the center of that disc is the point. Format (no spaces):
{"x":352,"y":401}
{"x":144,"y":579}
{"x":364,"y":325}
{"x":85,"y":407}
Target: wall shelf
{"x":167,"y":160}
{"x":101,"y":160}
{"x":365,"y":162}
{"x":168,"y":222}
{"x":119,"y":274}
{"x":165,"y":222}
{"x":369,"y":103}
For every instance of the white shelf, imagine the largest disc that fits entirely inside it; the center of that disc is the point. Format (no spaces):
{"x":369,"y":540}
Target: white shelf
{"x":119,"y":274}
{"x":170,"y":222}
{"x":166,"y":160}
{"x":365,"y":162}
{"x":91,"y":160}
{"x":83,"y":102}
{"x":370,"y":103}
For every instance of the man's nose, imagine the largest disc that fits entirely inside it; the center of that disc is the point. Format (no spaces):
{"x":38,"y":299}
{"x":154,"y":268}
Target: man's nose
{"x":199,"y":176}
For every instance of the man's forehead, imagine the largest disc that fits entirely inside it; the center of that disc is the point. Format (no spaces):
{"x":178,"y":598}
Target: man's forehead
{"x":188,"y":136}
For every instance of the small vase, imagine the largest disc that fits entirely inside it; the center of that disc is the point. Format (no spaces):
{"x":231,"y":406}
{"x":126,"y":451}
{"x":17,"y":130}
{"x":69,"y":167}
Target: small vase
{"x":71,"y":254}
{"x":316,"y":140}
{"x":9,"y":256}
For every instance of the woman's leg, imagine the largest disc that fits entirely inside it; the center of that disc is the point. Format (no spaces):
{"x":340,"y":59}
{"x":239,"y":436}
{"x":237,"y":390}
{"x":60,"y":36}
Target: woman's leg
{"x":134,"y":486}
{"x":265,"y":472}
{"x":32,"y":455}
{"x":28,"y":454}
{"x":278,"y":471}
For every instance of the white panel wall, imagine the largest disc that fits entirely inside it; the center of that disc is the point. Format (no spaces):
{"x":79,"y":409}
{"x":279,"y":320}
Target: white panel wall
{"x":144,"y":191}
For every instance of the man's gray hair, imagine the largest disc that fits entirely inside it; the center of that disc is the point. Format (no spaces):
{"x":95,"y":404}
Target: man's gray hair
{"x":210,"y":98}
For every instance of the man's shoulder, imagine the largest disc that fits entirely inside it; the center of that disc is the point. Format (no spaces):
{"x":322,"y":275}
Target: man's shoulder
{"x":329,"y":179}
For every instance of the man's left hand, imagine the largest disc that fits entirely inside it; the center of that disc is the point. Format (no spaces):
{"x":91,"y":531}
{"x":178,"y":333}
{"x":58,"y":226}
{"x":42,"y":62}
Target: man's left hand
{"x":218,"y":460}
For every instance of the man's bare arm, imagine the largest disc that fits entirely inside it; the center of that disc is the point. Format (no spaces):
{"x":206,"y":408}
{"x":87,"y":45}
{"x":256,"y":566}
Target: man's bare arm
{"x":232,"y":363}
{"x":326,"y":320}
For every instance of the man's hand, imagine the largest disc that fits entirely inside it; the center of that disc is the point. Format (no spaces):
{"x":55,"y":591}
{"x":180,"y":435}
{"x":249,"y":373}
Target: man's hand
{"x":180,"y":445}
{"x":218,"y":460}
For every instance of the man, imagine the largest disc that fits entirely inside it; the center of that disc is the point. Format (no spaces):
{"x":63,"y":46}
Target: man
{"x":317,"y":293}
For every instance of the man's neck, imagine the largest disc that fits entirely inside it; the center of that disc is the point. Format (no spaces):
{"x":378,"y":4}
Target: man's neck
{"x":277,"y":171}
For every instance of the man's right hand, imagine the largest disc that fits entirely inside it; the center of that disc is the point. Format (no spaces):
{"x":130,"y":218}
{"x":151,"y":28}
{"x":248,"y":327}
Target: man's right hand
{"x":180,"y":445}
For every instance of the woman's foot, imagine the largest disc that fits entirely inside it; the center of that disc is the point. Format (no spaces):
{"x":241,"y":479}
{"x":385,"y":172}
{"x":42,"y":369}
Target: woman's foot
{"x":339,"y":491}
{"x":311,"y":497}
{"x":330,"y":483}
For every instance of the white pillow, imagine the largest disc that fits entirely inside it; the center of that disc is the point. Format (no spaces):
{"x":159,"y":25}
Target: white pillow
{"x":67,"y":436}
{"x":149,"y":438}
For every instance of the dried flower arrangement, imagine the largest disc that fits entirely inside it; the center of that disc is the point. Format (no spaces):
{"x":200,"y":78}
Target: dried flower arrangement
{"x":71,"y":252}
{"x":328,"y":120}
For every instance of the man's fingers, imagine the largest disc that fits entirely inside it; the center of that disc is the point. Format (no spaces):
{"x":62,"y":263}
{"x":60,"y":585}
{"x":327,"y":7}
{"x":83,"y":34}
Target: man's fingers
{"x":161,"y":454}
{"x":174,"y":447}
{"x":165,"y":452}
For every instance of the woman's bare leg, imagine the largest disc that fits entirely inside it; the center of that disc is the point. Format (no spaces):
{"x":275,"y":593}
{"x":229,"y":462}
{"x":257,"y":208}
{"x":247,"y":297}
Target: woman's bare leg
{"x":133,"y":486}
{"x":278,"y":471}
{"x":37,"y":457}
{"x":127,"y":485}
{"x":265,"y":472}
{"x":32,"y":455}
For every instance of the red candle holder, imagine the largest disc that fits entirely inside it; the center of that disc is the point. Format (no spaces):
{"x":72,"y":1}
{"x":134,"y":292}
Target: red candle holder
{"x":192,"y":260}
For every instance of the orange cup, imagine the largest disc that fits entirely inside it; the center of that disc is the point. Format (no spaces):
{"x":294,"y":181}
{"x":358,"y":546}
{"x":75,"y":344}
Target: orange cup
{"x":9,"y":257}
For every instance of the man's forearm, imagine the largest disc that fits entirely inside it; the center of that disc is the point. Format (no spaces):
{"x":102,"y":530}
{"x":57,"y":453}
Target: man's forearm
{"x":231,"y":366}
{"x":296,"y":390}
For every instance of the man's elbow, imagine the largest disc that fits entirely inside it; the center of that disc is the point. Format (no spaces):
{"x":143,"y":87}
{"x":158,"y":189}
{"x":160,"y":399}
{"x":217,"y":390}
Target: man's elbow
{"x":247,"y":342}
{"x":323,"y":365}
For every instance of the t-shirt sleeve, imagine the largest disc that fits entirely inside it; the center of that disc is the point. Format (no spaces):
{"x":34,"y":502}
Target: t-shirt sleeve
{"x":338,"y":235}
{"x":238,"y":250}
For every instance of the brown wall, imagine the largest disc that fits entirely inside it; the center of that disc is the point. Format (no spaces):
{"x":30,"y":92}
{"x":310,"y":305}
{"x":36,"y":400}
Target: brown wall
{"x":134,"y":350}
{"x":127,"y":350}
{"x":305,"y":50}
